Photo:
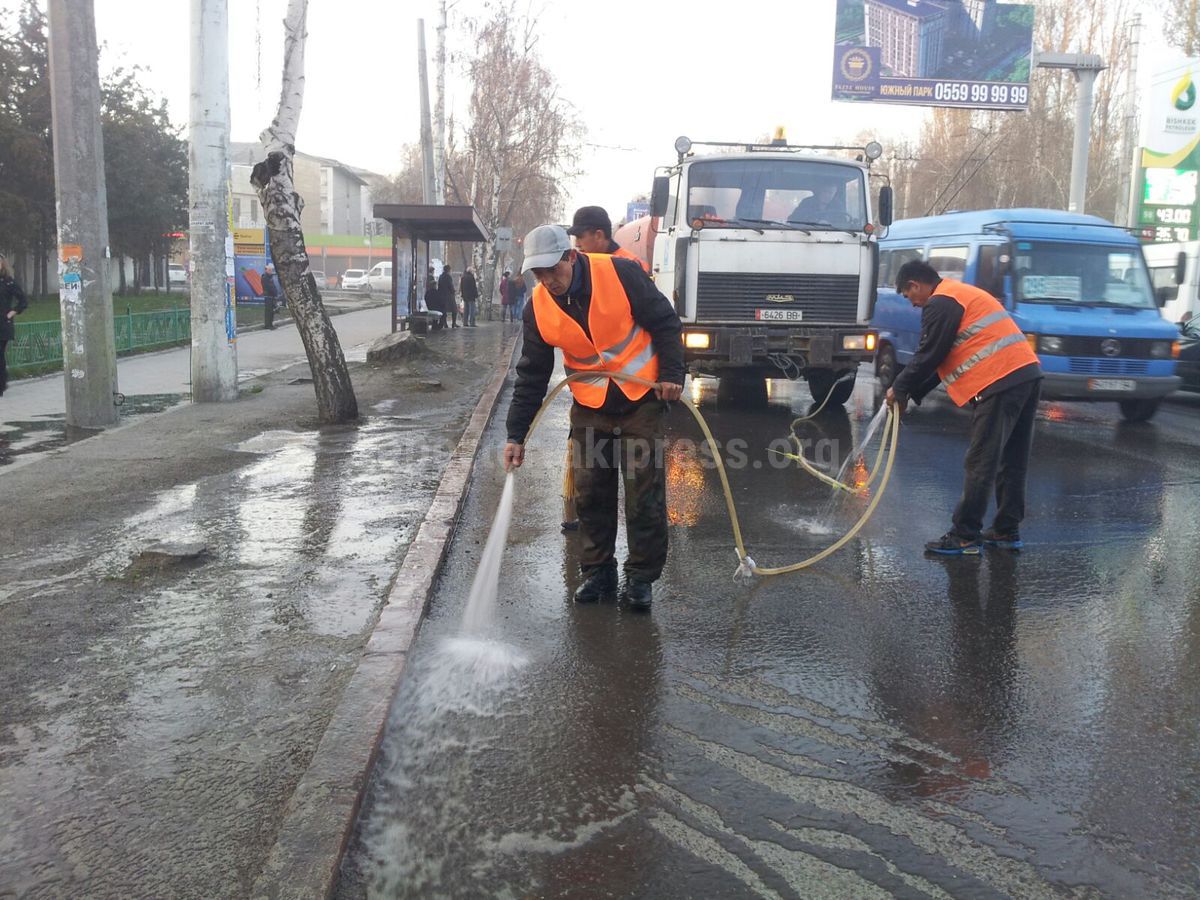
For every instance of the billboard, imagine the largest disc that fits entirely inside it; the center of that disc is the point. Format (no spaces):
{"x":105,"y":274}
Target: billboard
{"x":1169,"y":164}
{"x":968,"y":53}
{"x":251,"y":253}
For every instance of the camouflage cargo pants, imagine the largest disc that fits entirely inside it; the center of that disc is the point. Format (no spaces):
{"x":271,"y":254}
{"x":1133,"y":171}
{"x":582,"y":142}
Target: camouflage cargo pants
{"x":630,"y":445}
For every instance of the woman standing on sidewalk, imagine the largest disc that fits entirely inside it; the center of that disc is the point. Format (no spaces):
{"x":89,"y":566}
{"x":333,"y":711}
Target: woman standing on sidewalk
{"x":12,"y":301}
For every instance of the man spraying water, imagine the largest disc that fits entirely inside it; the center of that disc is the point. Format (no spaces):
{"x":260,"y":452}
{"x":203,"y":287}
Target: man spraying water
{"x":607,"y":316}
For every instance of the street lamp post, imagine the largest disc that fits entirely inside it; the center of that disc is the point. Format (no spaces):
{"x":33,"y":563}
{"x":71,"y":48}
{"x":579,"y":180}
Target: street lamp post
{"x":1085,"y":67}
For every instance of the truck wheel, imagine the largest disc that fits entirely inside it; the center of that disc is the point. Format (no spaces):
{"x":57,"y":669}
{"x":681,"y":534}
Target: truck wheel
{"x":824,"y":383}
{"x":1138,"y":410}
{"x":743,"y":389}
{"x":885,"y":366}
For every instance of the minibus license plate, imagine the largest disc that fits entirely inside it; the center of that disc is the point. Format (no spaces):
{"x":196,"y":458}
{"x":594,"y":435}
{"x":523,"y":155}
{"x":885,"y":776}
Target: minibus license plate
{"x":779,"y":315}
{"x":1111,"y":384}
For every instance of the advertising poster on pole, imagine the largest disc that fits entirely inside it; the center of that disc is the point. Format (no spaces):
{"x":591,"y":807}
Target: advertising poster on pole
{"x":968,"y":53}
{"x":1169,"y":167}
{"x":251,"y":253}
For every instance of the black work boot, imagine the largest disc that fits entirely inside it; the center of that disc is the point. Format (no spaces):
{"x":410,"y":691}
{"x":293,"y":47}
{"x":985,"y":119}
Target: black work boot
{"x":639,"y":594}
{"x":601,"y":584}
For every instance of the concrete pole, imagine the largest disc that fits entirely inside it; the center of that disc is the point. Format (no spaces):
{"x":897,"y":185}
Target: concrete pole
{"x":429,"y":181}
{"x":214,"y":326}
{"x":439,"y":121}
{"x":1085,"y":80}
{"x":1126,"y":209}
{"x":85,"y":293}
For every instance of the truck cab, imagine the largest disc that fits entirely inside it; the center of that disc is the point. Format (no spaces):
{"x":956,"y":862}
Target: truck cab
{"x":1078,"y":287}
{"x":769,"y":253}
{"x":1175,"y":274}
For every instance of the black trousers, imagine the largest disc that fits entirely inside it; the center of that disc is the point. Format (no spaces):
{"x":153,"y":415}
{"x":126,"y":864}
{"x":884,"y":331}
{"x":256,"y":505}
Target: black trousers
{"x":3,"y":368}
{"x":269,"y":312}
{"x":998,"y":457}
{"x":631,"y":446}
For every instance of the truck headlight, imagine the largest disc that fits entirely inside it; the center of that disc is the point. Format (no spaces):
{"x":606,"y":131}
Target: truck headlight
{"x":1049,"y":343}
{"x":697,"y":340}
{"x":858,"y":341}
{"x":1161,"y":349}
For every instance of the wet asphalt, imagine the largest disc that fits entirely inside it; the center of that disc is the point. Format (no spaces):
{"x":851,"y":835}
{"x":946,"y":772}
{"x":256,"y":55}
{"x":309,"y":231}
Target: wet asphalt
{"x":883,"y":724}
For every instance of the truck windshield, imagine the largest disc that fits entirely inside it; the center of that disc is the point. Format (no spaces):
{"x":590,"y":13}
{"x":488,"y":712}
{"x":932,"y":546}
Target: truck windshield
{"x":1081,"y":274}
{"x":786,"y":193}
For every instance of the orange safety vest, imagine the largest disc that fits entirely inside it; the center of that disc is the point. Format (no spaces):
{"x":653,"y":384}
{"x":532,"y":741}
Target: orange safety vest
{"x":989,"y":345}
{"x":617,"y":344}
{"x":625,"y":254}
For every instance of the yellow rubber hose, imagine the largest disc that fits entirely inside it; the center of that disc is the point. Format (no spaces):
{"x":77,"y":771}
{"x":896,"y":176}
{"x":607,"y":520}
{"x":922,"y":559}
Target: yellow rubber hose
{"x":746,"y":565}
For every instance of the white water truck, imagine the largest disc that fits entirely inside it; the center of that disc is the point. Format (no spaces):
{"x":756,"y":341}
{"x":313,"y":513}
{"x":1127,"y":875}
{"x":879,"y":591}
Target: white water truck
{"x":770,"y":254}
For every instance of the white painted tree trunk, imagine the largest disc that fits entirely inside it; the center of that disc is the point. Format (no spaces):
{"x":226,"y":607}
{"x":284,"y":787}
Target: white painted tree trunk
{"x":214,"y":328}
{"x":273,"y":179}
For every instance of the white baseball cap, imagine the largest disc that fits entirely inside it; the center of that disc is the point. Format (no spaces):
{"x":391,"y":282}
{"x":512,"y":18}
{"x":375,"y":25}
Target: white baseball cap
{"x":544,"y":247}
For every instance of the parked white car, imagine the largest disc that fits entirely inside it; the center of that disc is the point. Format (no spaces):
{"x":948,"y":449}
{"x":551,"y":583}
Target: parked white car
{"x":354,"y":280}
{"x":379,"y":279}
{"x":177,"y":276}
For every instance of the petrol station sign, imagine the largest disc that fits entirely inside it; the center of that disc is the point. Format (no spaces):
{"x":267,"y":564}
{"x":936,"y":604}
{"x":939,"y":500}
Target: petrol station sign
{"x":1169,"y":167}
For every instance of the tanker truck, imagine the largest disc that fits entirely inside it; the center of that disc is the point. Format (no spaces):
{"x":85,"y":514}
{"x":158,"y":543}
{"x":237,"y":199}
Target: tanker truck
{"x":770,"y":255}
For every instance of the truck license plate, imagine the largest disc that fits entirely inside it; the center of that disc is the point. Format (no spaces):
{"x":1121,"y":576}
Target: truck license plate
{"x":779,"y":315}
{"x":1111,"y":384}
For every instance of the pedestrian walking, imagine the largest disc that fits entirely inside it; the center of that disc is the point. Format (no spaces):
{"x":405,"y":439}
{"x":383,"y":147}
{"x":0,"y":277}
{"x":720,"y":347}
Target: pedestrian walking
{"x":517,"y":294}
{"x":12,"y":302}
{"x":446,"y":296}
{"x":470,"y":295}
{"x":270,"y":287}
{"x":971,"y":344}
{"x":606,"y":316}
{"x":505,"y":287}
{"x":592,"y":230}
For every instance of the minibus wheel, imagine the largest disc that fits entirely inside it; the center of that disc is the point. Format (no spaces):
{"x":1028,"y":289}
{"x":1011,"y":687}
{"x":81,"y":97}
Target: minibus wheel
{"x":1138,"y":410}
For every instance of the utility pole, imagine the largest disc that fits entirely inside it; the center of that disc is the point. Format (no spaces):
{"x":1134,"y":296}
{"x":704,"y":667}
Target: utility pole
{"x":1085,"y":67}
{"x":84,"y":291}
{"x":214,"y":327}
{"x":1126,"y":204}
{"x":439,"y":122}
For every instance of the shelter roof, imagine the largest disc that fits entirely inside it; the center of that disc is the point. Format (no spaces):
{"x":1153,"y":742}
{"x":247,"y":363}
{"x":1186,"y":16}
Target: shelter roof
{"x":433,"y":223}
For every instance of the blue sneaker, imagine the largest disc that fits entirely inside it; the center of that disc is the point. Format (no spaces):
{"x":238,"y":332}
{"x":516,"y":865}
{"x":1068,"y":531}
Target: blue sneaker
{"x":1010,"y":541}
{"x":950,"y":544}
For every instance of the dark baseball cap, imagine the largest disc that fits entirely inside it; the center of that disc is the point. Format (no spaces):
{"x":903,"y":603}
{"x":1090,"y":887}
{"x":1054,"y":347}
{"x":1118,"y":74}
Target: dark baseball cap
{"x":589,"y":218}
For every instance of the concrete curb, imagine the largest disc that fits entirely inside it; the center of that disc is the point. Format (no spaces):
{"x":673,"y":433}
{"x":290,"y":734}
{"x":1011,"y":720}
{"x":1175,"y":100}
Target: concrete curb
{"x":321,"y":814}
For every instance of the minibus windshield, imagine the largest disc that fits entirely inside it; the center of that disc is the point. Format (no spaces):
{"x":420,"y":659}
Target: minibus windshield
{"x":1080,"y":275}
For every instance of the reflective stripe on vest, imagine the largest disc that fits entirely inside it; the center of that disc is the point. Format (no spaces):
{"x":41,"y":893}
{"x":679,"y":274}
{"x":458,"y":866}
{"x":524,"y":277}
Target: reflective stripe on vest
{"x":988,"y":346}
{"x":617,"y":342}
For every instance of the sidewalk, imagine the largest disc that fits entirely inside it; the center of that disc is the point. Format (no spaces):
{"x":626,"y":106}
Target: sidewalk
{"x":156,"y":718}
{"x":32,"y":408}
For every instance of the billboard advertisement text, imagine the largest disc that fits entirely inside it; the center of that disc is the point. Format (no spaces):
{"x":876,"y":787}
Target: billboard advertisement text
{"x":968,"y":53}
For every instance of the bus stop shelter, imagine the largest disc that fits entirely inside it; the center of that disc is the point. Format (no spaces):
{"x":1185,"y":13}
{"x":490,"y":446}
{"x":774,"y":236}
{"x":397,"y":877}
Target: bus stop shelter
{"x":414,"y":222}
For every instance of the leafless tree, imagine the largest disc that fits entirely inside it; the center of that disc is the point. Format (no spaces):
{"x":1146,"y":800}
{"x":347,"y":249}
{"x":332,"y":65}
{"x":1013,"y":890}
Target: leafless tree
{"x":1181,"y":25}
{"x":273,"y":179}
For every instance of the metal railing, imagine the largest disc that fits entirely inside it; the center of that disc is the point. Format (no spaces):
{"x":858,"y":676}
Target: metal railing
{"x":39,"y":344}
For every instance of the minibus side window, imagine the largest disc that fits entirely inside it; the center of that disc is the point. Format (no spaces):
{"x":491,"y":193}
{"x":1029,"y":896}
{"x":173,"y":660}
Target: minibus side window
{"x":950,"y":262}
{"x":895,"y":259}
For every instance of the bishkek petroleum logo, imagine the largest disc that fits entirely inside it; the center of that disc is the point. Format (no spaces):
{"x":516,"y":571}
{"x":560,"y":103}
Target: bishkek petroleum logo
{"x":856,"y":65}
{"x":1183,"y":95}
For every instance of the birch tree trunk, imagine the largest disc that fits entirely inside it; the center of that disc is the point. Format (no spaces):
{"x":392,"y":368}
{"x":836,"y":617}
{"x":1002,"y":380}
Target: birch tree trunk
{"x":273,"y":179}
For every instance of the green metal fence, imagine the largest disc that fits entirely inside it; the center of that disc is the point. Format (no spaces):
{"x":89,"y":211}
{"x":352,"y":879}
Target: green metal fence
{"x":39,"y":344}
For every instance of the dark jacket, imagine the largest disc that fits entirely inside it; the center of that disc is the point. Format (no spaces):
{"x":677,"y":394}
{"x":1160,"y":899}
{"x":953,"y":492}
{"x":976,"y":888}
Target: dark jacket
{"x":431,"y":294}
{"x":270,"y":286}
{"x":11,"y":298}
{"x":446,"y":292}
{"x":651,"y":310}
{"x":470,"y":290}
{"x":939,"y":327}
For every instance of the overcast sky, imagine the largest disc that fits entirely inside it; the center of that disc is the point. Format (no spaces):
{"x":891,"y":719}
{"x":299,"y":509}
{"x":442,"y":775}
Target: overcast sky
{"x":639,"y":73}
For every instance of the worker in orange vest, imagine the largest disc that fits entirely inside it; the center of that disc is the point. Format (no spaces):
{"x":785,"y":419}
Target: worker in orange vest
{"x":971,"y":344}
{"x":606,"y":316}
{"x":592,"y":230}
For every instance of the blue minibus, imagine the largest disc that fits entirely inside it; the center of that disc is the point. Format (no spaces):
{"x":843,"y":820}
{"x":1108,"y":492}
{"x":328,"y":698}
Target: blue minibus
{"x":1075,"y":284}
